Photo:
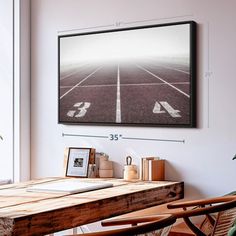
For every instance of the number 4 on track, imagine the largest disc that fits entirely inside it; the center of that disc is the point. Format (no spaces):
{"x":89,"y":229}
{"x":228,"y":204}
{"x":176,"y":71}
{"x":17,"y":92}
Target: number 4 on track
{"x":158,"y":109}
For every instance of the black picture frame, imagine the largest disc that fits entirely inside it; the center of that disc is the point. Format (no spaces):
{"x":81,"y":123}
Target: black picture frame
{"x":77,"y":164}
{"x":142,"y":76}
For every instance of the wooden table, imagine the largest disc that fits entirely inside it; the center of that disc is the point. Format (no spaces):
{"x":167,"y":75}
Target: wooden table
{"x":30,"y":213}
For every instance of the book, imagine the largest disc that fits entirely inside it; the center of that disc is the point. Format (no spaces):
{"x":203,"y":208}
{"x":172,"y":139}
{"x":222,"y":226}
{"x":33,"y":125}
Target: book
{"x":152,"y":169}
{"x":144,"y":167}
{"x":156,"y":170}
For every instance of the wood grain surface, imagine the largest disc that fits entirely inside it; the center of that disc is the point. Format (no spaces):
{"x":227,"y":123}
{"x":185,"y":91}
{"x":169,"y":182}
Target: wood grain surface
{"x":32,"y":213}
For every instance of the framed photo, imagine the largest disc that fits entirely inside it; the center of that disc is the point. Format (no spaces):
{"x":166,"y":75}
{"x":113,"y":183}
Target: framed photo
{"x":78,"y":162}
{"x":142,"y":76}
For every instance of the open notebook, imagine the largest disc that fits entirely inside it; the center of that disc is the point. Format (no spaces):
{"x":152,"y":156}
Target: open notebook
{"x":69,"y":186}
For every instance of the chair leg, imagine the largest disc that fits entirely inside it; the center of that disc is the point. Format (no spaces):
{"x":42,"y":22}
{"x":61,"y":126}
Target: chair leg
{"x":75,"y":230}
{"x":85,"y":229}
{"x":193,"y":227}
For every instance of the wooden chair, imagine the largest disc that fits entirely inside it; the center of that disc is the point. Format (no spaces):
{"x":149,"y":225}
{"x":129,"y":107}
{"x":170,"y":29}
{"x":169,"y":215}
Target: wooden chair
{"x":220,"y":214}
{"x":158,"y":225}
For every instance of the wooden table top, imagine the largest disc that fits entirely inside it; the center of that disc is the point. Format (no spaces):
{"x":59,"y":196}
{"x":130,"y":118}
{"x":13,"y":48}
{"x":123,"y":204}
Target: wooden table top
{"x":32,"y":213}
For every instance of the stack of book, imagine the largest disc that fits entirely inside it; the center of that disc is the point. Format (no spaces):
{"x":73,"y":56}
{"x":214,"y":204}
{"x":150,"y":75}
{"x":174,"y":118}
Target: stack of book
{"x":152,"y":169}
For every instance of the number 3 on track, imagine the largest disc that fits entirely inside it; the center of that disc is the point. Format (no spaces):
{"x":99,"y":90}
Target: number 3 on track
{"x":80,"y":109}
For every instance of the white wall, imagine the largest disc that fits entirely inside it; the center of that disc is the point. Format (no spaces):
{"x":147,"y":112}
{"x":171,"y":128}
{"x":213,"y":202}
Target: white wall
{"x":14,"y":89}
{"x":203,"y":162}
{"x":6,"y":89}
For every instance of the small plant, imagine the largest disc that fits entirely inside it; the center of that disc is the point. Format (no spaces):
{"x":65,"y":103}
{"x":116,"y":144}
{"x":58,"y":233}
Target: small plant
{"x":234,"y":157}
{"x":1,"y":137}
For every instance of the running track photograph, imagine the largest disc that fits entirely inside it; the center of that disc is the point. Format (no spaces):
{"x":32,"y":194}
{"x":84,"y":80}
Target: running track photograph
{"x":148,"y":90}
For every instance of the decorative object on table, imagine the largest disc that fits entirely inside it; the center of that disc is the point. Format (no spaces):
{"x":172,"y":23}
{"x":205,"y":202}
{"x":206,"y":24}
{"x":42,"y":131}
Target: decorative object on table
{"x":1,"y":137}
{"x":167,"y":57}
{"x":105,"y":166}
{"x":152,"y":169}
{"x":92,"y":171}
{"x":78,"y":160}
{"x":130,"y":170}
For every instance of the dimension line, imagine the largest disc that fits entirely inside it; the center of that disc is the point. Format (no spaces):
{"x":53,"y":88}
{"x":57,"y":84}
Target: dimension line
{"x":154,"y":139}
{"x":84,"y":135}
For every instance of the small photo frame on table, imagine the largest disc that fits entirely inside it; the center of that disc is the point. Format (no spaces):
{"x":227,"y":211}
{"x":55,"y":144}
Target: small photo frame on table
{"x":78,"y":162}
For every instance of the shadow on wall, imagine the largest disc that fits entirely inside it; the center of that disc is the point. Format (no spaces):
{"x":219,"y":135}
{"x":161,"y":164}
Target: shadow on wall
{"x":118,"y":169}
{"x":172,"y":173}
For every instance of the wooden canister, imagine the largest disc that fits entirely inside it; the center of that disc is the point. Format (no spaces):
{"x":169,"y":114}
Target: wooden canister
{"x":130,"y":172}
{"x":105,"y":165}
{"x":105,"y":173}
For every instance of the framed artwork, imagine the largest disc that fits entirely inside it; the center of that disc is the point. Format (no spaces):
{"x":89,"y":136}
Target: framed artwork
{"x":142,"y":76}
{"x":78,"y":162}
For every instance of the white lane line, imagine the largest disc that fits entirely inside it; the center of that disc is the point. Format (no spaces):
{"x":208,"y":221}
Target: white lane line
{"x":66,"y":76}
{"x":156,"y":63}
{"x":172,"y":68}
{"x":76,"y":70}
{"x":123,"y":85}
{"x":118,"y":109}
{"x":149,"y":72}
{"x":80,"y":82}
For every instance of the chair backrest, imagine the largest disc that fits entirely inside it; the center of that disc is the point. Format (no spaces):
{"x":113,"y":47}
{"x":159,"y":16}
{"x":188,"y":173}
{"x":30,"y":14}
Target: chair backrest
{"x":149,"y":226}
{"x":225,"y":217}
{"x":224,"y":208}
{"x":224,"y":222}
